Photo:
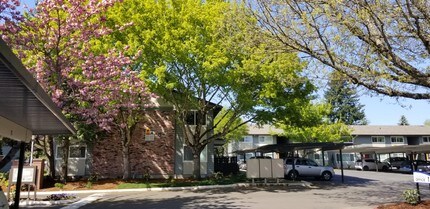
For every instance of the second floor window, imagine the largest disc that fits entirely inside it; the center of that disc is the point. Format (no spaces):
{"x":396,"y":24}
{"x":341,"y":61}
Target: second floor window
{"x":378,"y":139}
{"x":397,"y":139}
{"x":194,"y":118}
{"x":426,"y":139}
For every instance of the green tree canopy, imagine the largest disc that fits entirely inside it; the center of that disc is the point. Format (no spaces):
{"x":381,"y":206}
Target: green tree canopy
{"x":198,"y":55}
{"x":344,"y":100}
{"x":318,"y":128}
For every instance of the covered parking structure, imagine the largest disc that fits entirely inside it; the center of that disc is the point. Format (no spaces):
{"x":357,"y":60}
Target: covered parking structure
{"x":409,"y":150}
{"x":289,"y":149}
{"x":25,"y":108}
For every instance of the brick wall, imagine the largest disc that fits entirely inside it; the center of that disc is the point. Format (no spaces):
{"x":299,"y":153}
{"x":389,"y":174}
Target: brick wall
{"x":155,"y":157}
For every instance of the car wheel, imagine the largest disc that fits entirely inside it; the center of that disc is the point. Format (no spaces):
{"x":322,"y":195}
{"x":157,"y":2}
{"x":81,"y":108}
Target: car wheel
{"x":326,"y":176}
{"x":293,"y":175}
{"x":384,"y":168}
{"x":365,"y":168}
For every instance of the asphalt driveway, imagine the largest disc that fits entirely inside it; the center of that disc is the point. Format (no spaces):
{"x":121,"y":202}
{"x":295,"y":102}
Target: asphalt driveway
{"x":361,"y":190}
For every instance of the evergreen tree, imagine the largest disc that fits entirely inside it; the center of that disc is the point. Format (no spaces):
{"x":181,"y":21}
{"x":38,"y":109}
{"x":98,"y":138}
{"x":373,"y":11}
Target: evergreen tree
{"x":344,"y":101}
{"x":403,"y":121}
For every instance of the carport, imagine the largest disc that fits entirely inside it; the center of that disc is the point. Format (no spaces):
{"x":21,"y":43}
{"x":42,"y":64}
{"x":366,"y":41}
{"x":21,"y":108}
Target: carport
{"x":293,"y":147}
{"x":25,"y":108}
{"x":407,"y":149}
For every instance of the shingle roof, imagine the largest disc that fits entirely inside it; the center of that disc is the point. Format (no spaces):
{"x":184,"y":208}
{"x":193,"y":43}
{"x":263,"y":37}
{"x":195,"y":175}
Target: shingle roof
{"x":390,"y":130}
{"x":263,"y":130}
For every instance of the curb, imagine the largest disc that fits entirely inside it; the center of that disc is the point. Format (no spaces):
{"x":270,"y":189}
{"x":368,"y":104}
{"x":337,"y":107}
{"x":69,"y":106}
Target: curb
{"x":59,"y":202}
{"x":158,"y":189}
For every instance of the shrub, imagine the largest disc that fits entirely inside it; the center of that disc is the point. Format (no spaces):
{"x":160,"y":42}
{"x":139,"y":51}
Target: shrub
{"x":59,"y":185}
{"x":89,"y":185}
{"x":411,"y":196}
{"x":4,"y":182}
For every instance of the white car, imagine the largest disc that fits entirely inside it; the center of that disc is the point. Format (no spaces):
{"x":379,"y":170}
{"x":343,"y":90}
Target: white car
{"x":307,"y":167}
{"x":370,"y":164}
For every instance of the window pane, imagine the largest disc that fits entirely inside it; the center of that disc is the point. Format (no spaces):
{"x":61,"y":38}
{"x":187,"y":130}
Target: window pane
{"x":190,"y":118}
{"x":77,"y":152}
{"x":188,"y":153}
{"x":200,"y":118}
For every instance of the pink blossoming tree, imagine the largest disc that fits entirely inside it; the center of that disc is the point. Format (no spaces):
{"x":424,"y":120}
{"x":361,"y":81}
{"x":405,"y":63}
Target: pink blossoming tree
{"x":59,"y":42}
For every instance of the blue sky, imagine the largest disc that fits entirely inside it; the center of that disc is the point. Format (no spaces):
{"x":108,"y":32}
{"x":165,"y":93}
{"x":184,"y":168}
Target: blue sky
{"x":382,"y":110}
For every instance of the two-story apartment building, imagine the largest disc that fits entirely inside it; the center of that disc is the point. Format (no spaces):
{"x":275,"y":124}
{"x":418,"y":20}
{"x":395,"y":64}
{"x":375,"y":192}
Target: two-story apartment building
{"x":381,"y":136}
{"x":363,"y":136}
{"x":257,"y":136}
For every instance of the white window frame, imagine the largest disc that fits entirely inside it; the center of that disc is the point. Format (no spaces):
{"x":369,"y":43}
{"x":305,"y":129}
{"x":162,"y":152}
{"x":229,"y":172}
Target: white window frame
{"x":60,"y":147}
{"x":378,"y":139}
{"x":427,"y":138}
{"x":397,"y":139}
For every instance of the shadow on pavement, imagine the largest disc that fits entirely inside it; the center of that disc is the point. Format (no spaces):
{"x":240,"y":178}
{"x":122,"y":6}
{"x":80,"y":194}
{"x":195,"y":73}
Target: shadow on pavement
{"x":192,"y":202}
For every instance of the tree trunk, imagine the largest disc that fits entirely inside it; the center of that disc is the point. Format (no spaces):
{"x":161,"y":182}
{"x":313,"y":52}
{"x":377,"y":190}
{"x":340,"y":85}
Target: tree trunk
{"x":50,"y":156}
{"x":126,"y":162}
{"x":65,"y":158}
{"x":126,"y":138}
{"x":196,"y":165}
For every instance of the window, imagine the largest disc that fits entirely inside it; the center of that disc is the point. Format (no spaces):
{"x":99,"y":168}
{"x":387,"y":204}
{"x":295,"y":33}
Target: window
{"x":246,"y":139}
{"x":378,"y":139}
{"x":261,"y":139}
{"x":397,"y":139}
{"x":194,"y":118}
{"x":75,"y":151}
{"x":317,"y":156}
{"x":188,"y":154}
{"x":426,"y":139}
{"x":265,"y":139}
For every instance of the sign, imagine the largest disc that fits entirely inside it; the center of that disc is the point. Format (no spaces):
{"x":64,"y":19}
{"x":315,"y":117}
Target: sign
{"x":420,"y":177}
{"x":28,"y":174}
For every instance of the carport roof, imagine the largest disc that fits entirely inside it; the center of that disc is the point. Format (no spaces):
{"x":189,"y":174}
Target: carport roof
{"x":392,"y":149}
{"x":24,"y":102}
{"x":289,"y":147}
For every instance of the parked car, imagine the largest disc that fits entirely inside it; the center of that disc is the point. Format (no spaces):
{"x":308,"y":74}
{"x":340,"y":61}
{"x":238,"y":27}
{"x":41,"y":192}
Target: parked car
{"x":395,"y":162}
{"x":370,"y":164}
{"x":306,"y":167}
{"x":422,"y":165}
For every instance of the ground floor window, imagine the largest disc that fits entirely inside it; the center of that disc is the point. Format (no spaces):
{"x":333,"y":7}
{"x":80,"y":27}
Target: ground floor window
{"x":188,"y":154}
{"x":75,"y":151}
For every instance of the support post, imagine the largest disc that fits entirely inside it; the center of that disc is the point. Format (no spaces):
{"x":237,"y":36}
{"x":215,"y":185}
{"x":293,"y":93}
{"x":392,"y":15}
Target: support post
{"x":323,"y":159}
{"x":341,"y":165}
{"x":19,"y":177}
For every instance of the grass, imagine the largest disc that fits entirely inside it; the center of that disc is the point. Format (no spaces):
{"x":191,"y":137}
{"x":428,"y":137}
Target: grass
{"x":185,"y":183}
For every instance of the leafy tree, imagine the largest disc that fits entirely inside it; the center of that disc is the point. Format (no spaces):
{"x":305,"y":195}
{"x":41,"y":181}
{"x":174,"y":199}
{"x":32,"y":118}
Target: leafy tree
{"x":380,"y":45}
{"x":316,"y":126}
{"x":403,"y":121}
{"x":427,"y":122}
{"x":95,"y":88}
{"x":222,"y":119}
{"x":198,"y":55}
{"x":344,"y":101}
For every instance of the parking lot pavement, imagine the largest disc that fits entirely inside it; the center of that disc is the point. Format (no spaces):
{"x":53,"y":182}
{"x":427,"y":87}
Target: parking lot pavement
{"x":361,"y":190}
